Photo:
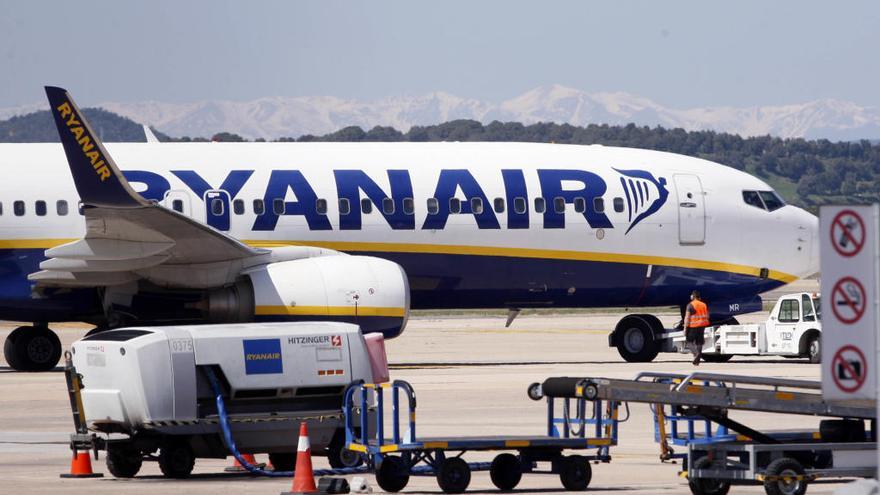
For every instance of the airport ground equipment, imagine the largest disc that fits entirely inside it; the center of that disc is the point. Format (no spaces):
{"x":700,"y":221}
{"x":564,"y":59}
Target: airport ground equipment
{"x":784,"y":462}
{"x":155,"y":389}
{"x":578,"y":426}
{"x":792,"y":330}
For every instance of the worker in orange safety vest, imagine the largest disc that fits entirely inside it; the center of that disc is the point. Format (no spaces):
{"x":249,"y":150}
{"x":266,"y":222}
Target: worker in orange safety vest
{"x":696,"y":319}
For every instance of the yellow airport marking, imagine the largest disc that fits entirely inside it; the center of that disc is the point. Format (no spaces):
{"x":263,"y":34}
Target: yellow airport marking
{"x":331,"y":311}
{"x":388,"y":247}
{"x":436,"y":445}
{"x":388,"y":448}
{"x":474,"y":251}
{"x":516,"y":443}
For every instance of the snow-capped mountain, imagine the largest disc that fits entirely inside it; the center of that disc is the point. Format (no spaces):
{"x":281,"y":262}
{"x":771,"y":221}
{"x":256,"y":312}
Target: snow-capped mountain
{"x":275,"y":117}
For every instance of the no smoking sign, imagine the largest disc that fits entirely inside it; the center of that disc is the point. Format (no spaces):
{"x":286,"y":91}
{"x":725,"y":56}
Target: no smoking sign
{"x":848,"y":301}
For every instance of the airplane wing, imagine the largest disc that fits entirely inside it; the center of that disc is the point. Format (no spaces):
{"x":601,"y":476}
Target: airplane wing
{"x":126,"y":236}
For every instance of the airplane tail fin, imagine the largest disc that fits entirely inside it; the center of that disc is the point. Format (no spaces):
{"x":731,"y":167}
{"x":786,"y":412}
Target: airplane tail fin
{"x":98,"y":180}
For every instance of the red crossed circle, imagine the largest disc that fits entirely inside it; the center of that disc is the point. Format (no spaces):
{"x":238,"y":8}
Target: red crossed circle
{"x":858,"y":378}
{"x":857,"y":307}
{"x":844,"y":241}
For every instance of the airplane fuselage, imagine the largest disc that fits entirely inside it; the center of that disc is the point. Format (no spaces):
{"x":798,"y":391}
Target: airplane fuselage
{"x":474,"y":225}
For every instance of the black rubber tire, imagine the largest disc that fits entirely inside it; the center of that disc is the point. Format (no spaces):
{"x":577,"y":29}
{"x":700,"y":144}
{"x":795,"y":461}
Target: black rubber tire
{"x":814,"y":349}
{"x":631,"y":330}
{"x":716,"y":358}
{"x":283,"y":461}
{"x":32,"y":349}
{"x":340,"y":457}
{"x":705,"y":486}
{"x":176,"y":460}
{"x":506,"y":472}
{"x":781,"y":467}
{"x":123,"y":462}
{"x":454,"y":475}
{"x":393,"y":474}
{"x":575,"y":473}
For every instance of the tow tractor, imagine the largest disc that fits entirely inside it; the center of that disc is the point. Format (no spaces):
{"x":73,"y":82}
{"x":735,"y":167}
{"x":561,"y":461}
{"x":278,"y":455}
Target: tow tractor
{"x":792,"y":330}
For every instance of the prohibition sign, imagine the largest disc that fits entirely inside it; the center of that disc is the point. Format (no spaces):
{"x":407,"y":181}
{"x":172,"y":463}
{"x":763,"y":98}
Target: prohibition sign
{"x":848,"y":301}
{"x":847,"y":233}
{"x":853,"y":367}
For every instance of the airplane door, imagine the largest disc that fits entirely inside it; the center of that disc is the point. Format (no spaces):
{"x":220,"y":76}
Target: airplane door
{"x":177,"y":201}
{"x":691,"y":209}
{"x":217,"y":205}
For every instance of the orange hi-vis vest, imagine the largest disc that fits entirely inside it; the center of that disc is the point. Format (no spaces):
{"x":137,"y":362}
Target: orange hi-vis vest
{"x":700,"y":316}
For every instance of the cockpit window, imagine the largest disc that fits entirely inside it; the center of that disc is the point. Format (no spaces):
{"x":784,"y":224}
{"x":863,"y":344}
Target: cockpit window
{"x":751,"y":198}
{"x":765,"y":200}
{"x":772,"y":200}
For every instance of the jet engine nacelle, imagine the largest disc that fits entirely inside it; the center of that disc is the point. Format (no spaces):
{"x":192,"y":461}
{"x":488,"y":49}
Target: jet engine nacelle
{"x":370,"y":292}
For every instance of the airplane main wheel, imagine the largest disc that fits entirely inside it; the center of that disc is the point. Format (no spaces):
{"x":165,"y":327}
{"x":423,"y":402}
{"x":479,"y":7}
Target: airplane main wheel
{"x":635,"y":339}
{"x":32,"y":349}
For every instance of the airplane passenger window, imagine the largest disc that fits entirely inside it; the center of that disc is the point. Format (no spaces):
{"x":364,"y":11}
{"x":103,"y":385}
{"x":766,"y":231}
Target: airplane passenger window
{"x":344,"y":206}
{"x":408,"y":206}
{"x":559,"y":205}
{"x":772,"y":200}
{"x":177,"y":205}
{"x":598,"y":205}
{"x":278,"y":206}
{"x":18,"y":208}
{"x":40,"y":208}
{"x":366,"y":205}
{"x":454,"y":205}
{"x":540,"y":205}
{"x":80,"y":208}
{"x":618,"y":205}
{"x":433,"y":206}
{"x":238,"y":206}
{"x":217,"y":207}
{"x":476,"y":205}
{"x":1,"y":208}
{"x":519,"y":205}
{"x":789,"y":312}
{"x":61,"y":207}
{"x":751,"y":198}
{"x":259,"y":207}
{"x":580,"y":205}
{"x":499,"y":205}
{"x":321,"y":206}
{"x":388,"y":206}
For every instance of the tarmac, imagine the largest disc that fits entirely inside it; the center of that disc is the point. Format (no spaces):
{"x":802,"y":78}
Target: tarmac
{"x":470,"y":375}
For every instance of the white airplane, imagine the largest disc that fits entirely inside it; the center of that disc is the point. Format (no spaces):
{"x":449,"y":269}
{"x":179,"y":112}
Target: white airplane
{"x":361,"y":232}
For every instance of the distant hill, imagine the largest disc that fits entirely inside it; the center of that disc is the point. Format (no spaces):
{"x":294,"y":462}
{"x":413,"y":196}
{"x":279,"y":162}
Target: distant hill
{"x":38,"y":127}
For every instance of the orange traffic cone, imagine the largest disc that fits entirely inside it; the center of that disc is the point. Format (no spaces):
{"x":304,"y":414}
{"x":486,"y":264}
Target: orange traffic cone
{"x":236,"y":467}
{"x":81,"y":467}
{"x":303,"y":477}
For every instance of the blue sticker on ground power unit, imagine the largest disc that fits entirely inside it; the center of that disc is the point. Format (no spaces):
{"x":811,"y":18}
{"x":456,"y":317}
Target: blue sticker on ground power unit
{"x":262,"y":356}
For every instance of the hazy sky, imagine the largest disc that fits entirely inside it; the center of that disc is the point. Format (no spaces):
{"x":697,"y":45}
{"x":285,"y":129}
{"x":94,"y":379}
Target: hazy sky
{"x":680,"y":54}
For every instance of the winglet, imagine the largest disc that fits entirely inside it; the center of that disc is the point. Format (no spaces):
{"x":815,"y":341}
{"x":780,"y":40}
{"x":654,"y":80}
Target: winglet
{"x":148,"y":134}
{"x":97,"y":178}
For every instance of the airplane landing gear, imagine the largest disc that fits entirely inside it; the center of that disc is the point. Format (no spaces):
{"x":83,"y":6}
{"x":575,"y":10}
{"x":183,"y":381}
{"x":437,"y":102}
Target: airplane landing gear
{"x":634,"y":338}
{"x":33,"y":348}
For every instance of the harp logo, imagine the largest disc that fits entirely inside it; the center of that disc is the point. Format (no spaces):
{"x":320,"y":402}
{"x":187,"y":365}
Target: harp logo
{"x":645,"y":195}
{"x":262,"y":356}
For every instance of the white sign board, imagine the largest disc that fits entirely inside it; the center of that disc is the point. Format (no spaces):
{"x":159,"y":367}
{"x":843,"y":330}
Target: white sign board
{"x":849,"y":261}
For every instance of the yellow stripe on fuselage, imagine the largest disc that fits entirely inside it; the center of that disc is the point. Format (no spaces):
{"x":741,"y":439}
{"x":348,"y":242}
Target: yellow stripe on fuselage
{"x":330,"y":311}
{"x":555,"y":254}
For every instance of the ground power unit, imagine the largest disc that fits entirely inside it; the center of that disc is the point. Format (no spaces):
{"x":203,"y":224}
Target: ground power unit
{"x":148,"y":389}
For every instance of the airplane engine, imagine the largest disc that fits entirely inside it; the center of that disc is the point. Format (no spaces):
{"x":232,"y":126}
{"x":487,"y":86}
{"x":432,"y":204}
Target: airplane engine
{"x":370,"y":292}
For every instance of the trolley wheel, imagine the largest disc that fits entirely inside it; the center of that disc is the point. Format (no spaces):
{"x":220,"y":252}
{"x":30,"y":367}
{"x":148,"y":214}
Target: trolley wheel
{"x":176,"y":460}
{"x":717,"y":358}
{"x":283,"y":461}
{"x":575,"y":473}
{"x":784,"y":472}
{"x":393,"y":474}
{"x":454,"y":475}
{"x":707,"y":486}
{"x":124,"y":462}
{"x":340,"y":457}
{"x":534,"y":391}
{"x":506,"y":471}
